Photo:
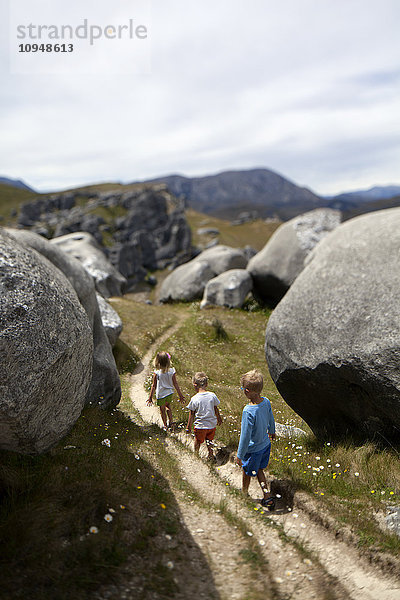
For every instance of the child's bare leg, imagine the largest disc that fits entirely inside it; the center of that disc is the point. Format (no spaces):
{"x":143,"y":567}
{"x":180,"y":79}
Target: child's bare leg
{"x":210,"y":448}
{"x":197,"y":445}
{"x":169,"y":413}
{"x":245,"y":483}
{"x":163,"y":415}
{"x":262,"y":481}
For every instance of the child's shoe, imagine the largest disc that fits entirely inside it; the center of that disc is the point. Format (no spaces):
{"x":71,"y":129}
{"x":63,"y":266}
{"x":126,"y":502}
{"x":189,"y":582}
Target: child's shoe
{"x":268,"y":503}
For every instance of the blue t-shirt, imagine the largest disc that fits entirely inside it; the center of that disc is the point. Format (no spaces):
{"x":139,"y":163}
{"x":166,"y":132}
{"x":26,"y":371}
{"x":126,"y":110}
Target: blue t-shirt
{"x":257,"y":422}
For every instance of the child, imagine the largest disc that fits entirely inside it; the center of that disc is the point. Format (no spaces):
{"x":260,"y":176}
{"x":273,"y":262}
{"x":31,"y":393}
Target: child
{"x":205,"y":414}
{"x":164,"y":382}
{"x":258,"y":428}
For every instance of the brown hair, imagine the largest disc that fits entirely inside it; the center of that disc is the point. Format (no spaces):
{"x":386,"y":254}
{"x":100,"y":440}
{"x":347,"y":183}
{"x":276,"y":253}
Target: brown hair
{"x":200,"y":379}
{"x":163,"y":361}
{"x":252,"y":381}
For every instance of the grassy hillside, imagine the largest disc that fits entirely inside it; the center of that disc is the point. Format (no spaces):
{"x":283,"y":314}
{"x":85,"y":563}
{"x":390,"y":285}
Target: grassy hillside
{"x":11,"y":198}
{"x":255,"y":233}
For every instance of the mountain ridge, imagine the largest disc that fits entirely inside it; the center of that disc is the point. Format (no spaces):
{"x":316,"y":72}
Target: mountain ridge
{"x":257,"y":193}
{"x":228,"y":193}
{"x":17,"y":183}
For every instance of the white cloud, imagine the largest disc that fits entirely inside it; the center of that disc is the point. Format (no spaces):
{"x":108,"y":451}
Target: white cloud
{"x":308,"y":88}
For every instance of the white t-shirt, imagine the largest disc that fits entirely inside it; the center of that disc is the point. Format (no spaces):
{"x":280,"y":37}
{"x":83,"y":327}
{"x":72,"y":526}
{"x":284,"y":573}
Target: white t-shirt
{"x":202,"y":404}
{"x":165,"y":387}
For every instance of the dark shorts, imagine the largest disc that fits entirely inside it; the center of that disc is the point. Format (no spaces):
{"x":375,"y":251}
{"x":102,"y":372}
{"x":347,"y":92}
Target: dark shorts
{"x":254,"y":461}
{"x":204,"y":434}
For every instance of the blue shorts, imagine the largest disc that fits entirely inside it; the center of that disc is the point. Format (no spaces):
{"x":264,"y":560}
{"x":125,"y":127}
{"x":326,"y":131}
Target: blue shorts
{"x":254,"y":461}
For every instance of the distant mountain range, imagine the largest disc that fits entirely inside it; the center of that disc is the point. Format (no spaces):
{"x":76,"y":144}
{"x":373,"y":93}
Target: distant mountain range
{"x":380,"y":192}
{"x":230,"y":193}
{"x":261,"y":192}
{"x":18,"y":183}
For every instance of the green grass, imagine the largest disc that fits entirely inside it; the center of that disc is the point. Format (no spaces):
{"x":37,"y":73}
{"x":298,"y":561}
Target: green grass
{"x":50,"y":502}
{"x":11,"y":199}
{"x":255,"y":233}
{"x":199,"y":344}
{"x":224,"y":343}
{"x":143,"y":323}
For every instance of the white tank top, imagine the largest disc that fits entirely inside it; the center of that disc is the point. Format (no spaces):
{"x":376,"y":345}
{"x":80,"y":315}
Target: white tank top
{"x":165,"y":387}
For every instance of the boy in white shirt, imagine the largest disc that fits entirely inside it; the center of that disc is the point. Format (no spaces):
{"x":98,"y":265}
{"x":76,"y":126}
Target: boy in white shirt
{"x":204,"y":413}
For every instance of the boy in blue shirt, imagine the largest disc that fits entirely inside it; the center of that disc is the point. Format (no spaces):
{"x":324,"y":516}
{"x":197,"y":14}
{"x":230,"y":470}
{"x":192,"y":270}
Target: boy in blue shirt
{"x":257,"y":431}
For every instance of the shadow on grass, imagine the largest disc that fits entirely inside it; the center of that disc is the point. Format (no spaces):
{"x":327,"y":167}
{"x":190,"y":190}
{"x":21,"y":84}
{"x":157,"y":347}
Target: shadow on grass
{"x":125,"y":358}
{"x":94,"y":513}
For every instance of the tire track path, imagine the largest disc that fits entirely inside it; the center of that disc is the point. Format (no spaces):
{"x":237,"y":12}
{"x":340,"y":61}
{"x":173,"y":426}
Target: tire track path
{"x":335,"y":570}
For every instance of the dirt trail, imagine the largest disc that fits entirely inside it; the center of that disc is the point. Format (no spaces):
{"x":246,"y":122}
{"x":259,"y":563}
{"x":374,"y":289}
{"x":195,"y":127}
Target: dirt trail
{"x":335,"y":570}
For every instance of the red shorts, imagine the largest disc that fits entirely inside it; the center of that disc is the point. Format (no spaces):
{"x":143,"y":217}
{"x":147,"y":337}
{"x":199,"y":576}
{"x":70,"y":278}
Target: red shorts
{"x":204,"y":434}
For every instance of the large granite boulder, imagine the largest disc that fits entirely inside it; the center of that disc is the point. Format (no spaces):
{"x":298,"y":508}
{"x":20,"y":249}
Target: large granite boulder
{"x":156,"y":226}
{"x":228,"y":289}
{"x":223,"y":258}
{"x":187,"y":282}
{"x":46,"y":349}
{"x":127,"y":258}
{"x":110,"y":319}
{"x":333,"y":342}
{"x":277,"y":265}
{"x":32,"y":212}
{"x":83,"y":246}
{"x":105,"y":386}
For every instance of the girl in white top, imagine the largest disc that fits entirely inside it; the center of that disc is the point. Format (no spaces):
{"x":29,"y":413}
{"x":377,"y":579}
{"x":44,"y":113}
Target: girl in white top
{"x":164,"y":382}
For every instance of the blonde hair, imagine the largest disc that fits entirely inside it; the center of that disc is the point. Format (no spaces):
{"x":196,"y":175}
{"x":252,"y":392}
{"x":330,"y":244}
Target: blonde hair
{"x":163,"y":361}
{"x":200,"y":379}
{"x":252,"y":381}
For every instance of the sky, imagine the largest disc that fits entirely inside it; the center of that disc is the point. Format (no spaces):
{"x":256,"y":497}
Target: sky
{"x":307,"y":88}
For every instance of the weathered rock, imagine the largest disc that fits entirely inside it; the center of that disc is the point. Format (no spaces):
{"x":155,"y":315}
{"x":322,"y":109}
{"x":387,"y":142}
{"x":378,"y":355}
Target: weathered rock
{"x":32,"y":212}
{"x":228,"y":289}
{"x":82,"y":245}
{"x":288,"y":431}
{"x":111,"y":321}
{"x":173,"y":241}
{"x":392,"y":519}
{"x":46,"y":351}
{"x":222,"y":258}
{"x":105,"y":387}
{"x":207,"y":231}
{"x":245,"y":217}
{"x":249,"y":252}
{"x":128,"y":260}
{"x":281,"y":260}
{"x":147,"y":219}
{"x":188,"y":281}
{"x":145,"y":212}
{"x":333,"y":342}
